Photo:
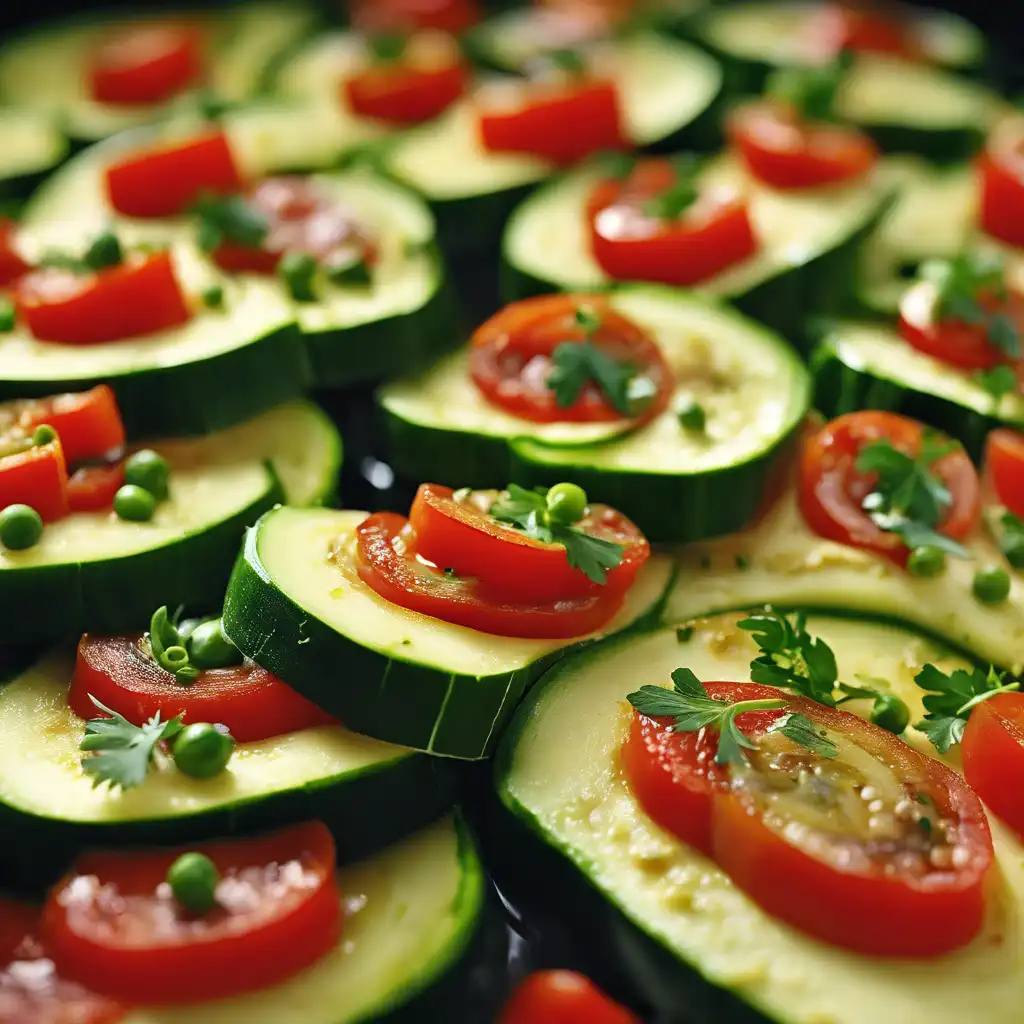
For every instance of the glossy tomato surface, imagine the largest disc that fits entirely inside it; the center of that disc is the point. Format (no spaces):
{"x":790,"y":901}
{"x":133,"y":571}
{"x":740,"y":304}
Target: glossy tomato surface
{"x":562,"y":997}
{"x":147,"y":63}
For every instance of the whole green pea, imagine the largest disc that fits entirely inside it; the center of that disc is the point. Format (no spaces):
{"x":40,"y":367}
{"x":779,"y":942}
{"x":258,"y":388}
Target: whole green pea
{"x":209,"y":647}
{"x":150,"y":471}
{"x":991,"y":585}
{"x":193,"y":879}
{"x":566,"y":504}
{"x":926,"y":561}
{"x":134,"y":504}
{"x":890,"y":713}
{"x":202,"y":750}
{"x":21,"y":526}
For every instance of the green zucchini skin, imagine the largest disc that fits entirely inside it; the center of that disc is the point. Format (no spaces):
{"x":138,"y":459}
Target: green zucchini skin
{"x":942,"y":145}
{"x":200,"y":397}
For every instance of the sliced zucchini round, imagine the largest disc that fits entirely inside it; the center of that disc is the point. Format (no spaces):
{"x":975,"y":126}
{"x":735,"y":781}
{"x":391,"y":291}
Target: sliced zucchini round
{"x":408,"y":678}
{"x":327,"y":772}
{"x":782,"y":562}
{"x":412,"y":916}
{"x":676,"y":484}
{"x":581,"y":848}
{"x":32,"y":145}
{"x":809,"y":241}
{"x":45,"y":68}
{"x":668,"y":90}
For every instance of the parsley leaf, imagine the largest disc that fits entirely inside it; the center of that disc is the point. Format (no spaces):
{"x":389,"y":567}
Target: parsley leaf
{"x":942,"y":732}
{"x":121,"y":753}
{"x":999,"y":381}
{"x":593,"y":556}
{"x":568,"y":60}
{"x":802,"y":731}
{"x":951,"y":698}
{"x":811,"y":90}
{"x":229,"y":218}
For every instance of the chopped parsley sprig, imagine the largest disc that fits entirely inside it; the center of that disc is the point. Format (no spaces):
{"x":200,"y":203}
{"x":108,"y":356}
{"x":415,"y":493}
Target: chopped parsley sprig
{"x":228,"y":218}
{"x":952,"y":696}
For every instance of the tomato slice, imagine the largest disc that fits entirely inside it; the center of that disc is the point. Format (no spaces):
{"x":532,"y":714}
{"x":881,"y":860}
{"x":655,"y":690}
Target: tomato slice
{"x":785,"y":152}
{"x":562,"y":997}
{"x":119,"y":672}
{"x":1001,"y":174}
{"x":31,"y":990}
{"x":992,"y":749}
{"x":165,"y":180}
{"x":630,"y":243}
{"x":12,"y":265}
{"x":146,"y":63}
{"x":140,"y":296}
{"x":1004,"y":467}
{"x":278,"y":912}
{"x":951,"y":339}
{"x":405,"y":16}
{"x":561,"y":121}
{"x":386,"y":563}
{"x":92,"y":488}
{"x":37,"y":477}
{"x":856,"y":869}
{"x":831,"y":489}
{"x":510,"y":359}
{"x":861,"y":27}
{"x":459,"y":534}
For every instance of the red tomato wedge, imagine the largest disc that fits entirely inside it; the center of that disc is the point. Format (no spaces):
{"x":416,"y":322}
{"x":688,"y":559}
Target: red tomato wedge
{"x":562,"y":997}
{"x":119,"y":672}
{"x":632,"y":243}
{"x":31,"y":990}
{"x":165,"y":180}
{"x":1004,"y":467}
{"x":831,"y":489}
{"x":858,"y":871}
{"x":785,"y":152}
{"x":37,"y":477}
{"x":861,"y":27}
{"x":140,"y":296}
{"x":561,"y":121}
{"x":390,"y":568}
{"x":1001,"y":174}
{"x":511,"y":354}
{"x":950,"y":339}
{"x":992,"y":749}
{"x":146,"y":63}
{"x":459,"y":534}
{"x":278,"y":912}
{"x":92,"y":488}
{"x":12,"y":265}
{"x":453,"y":16}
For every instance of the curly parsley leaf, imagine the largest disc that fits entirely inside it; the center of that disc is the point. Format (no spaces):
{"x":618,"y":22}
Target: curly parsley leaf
{"x":952,"y":696}
{"x":121,"y":753}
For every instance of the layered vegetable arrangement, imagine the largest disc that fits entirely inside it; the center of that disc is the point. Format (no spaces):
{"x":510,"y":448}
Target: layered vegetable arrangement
{"x":710,"y":533}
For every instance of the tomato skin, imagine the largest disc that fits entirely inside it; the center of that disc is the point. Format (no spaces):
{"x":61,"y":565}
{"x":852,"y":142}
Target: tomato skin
{"x":562,"y":124}
{"x":402,"y":95}
{"x":252,"y":703}
{"x":407,"y":584}
{"x":36,"y":477}
{"x":165,"y":180}
{"x":92,"y":488}
{"x":510,"y":357}
{"x":510,"y":565}
{"x":562,"y":997}
{"x":1001,"y":173}
{"x":784,"y":152}
{"x":629,"y":245}
{"x":87,"y":422}
{"x":992,"y":749}
{"x":453,"y":16}
{"x":835,"y":27}
{"x":154,"y":953}
{"x":1004,"y":467}
{"x":140,"y":296}
{"x":146,"y":64}
{"x":831,"y":491}
{"x":12,"y":266}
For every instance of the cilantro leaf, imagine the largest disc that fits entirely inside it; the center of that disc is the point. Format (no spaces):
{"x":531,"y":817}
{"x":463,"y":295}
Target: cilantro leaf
{"x":811,"y":90}
{"x":952,"y":696}
{"x":999,"y":381}
{"x":802,"y":731}
{"x":231,"y":218}
{"x":519,"y":507}
{"x":942,"y":733}
{"x":121,"y":753}
{"x":576,"y":363}
{"x":593,"y":556}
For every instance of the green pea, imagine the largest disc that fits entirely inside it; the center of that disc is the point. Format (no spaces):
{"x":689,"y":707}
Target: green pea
{"x":44,"y":434}
{"x":193,"y":879}
{"x":208,"y":647}
{"x":890,"y":713}
{"x":1013,"y":548}
{"x":298,"y":270}
{"x":20,"y":527}
{"x":134,"y":504}
{"x":692,"y":416}
{"x":991,"y":585}
{"x":566,"y":504}
{"x":927,"y":560}
{"x":150,"y":471}
{"x":202,"y":750}
{"x":8,"y":315}
{"x":213,"y":296}
{"x":104,"y":251}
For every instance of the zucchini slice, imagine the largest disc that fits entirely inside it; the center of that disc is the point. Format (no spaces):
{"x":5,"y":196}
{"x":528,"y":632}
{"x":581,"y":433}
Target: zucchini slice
{"x":32,"y":146}
{"x":45,"y":68}
{"x":581,"y":847}
{"x":809,"y":242}
{"x":668,"y":90}
{"x":326,"y":772}
{"x":412,"y":916}
{"x":408,"y":678}
{"x":675,"y":484}
{"x":782,"y":562}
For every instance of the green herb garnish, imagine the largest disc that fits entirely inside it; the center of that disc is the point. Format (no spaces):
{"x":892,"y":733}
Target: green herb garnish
{"x":387,"y":46}
{"x":811,"y":90}
{"x":568,"y":60}
{"x":228,"y":218}
{"x":999,"y":381}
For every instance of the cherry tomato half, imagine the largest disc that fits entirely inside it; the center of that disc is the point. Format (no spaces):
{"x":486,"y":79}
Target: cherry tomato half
{"x":857,"y":870}
{"x":562,"y":997}
{"x":861,"y":27}
{"x":119,"y":672}
{"x":453,"y":16}
{"x":1001,"y":173}
{"x":993,"y":755}
{"x":831,"y":489}
{"x":146,"y":63}
{"x":12,"y":265}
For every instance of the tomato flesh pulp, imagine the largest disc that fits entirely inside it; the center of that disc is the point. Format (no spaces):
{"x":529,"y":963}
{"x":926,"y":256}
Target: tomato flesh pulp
{"x":1004,"y":468}
{"x":300,"y":218}
{"x":631,"y":242}
{"x":1001,"y":174}
{"x":510,"y":360}
{"x":146,"y":64}
{"x":121,"y":674}
{"x":12,"y":266}
{"x":834,"y":847}
{"x":785,"y":152}
{"x":138,"y":297}
{"x":114,"y":924}
{"x":831,"y":490}
{"x":863,"y":28}
{"x":561,"y":121}
{"x":562,"y":997}
{"x":166,"y":180}
{"x":414,"y":15}
{"x":458,"y":534}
